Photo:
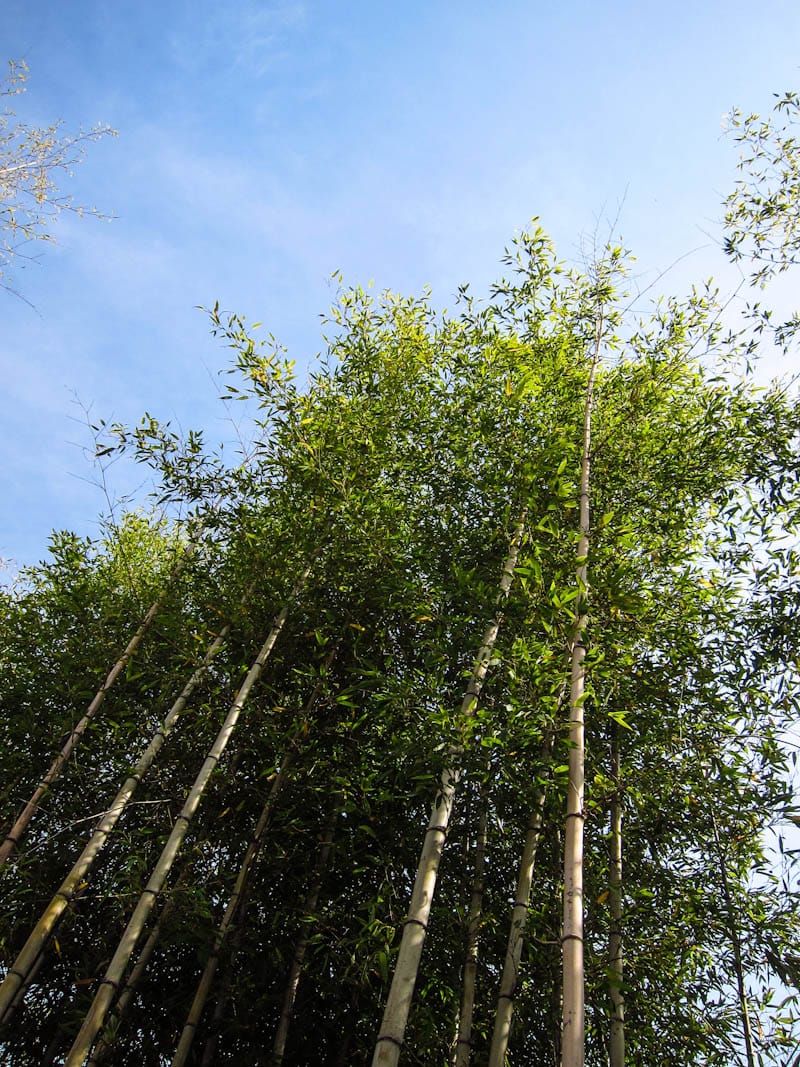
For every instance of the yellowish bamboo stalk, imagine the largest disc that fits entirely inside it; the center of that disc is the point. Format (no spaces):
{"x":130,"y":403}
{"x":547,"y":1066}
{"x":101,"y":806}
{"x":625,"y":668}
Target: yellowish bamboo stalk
{"x":573,"y":1026}
{"x":298,"y":958}
{"x":401,"y":992}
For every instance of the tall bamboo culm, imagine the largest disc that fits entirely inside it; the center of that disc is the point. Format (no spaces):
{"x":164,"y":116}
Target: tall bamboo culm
{"x":401,"y":992}
{"x":20,"y":972}
{"x":573,"y":1026}
{"x":463,"y":1044}
{"x":103,"y":1048}
{"x":516,"y":935}
{"x":240,"y":886}
{"x":116,"y":969}
{"x":616,"y":1041}
{"x":15,"y":834}
{"x":298,"y":958}
{"x":212,"y":963}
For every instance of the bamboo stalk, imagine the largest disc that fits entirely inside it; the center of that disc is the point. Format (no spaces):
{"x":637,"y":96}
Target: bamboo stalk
{"x":401,"y":992}
{"x":19,"y":997}
{"x":741,"y":988}
{"x":309,"y":907}
{"x":116,"y":969}
{"x":210,"y":1047}
{"x":15,"y":834}
{"x":104,"y":1047}
{"x":573,"y":1019}
{"x":516,"y":934}
{"x":463,"y":1046}
{"x":210,"y":970}
{"x":239,"y":890}
{"x":120,"y":1010}
{"x":17,"y":976}
{"x":616,"y":1044}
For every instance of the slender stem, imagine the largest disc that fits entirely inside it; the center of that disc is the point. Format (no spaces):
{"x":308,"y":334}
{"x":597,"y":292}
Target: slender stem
{"x":103,"y":1047}
{"x":744,"y":1010}
{"x":616,"y":1047}
{"x":401,"y":992}
{"x":15,"y":834}
{"x":212,"y":963}
{"x":463,"y":1047}
{"x":309,"y":907}
{"x":516,"y":933}
{"x":573,"y":1021}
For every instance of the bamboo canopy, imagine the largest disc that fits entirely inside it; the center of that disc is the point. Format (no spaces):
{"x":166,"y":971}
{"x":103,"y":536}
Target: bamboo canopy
{"x":417,"y":758}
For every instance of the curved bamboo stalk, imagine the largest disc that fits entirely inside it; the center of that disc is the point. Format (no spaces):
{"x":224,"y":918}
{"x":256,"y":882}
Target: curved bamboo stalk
{"x":573,"y":1024}
{"x":17,"y":976}
{"x":116,"y":969}
{"x":15,"y":834}
{"x":210,"y":970}
{"x":516,"y":934}
{"x":309,"y":907}
{"x":463,"y":1047}
{"x":120,"y":1010}
{"x":398,"y":1003}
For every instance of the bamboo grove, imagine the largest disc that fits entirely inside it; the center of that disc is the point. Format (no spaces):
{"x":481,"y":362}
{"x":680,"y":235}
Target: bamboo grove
{"x":451,"y":728}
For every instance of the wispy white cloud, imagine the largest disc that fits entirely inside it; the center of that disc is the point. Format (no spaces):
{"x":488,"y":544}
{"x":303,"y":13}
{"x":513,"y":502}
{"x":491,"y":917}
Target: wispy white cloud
{"x":246,"y":35}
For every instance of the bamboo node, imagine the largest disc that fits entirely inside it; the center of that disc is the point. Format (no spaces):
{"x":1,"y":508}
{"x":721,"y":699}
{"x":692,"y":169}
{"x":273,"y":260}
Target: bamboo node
{"x":416,"y":922}
{"x":392,"y":1040}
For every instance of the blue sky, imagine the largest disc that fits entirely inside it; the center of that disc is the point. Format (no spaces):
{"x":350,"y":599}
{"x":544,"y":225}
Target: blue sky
{"x":263,"y":145}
